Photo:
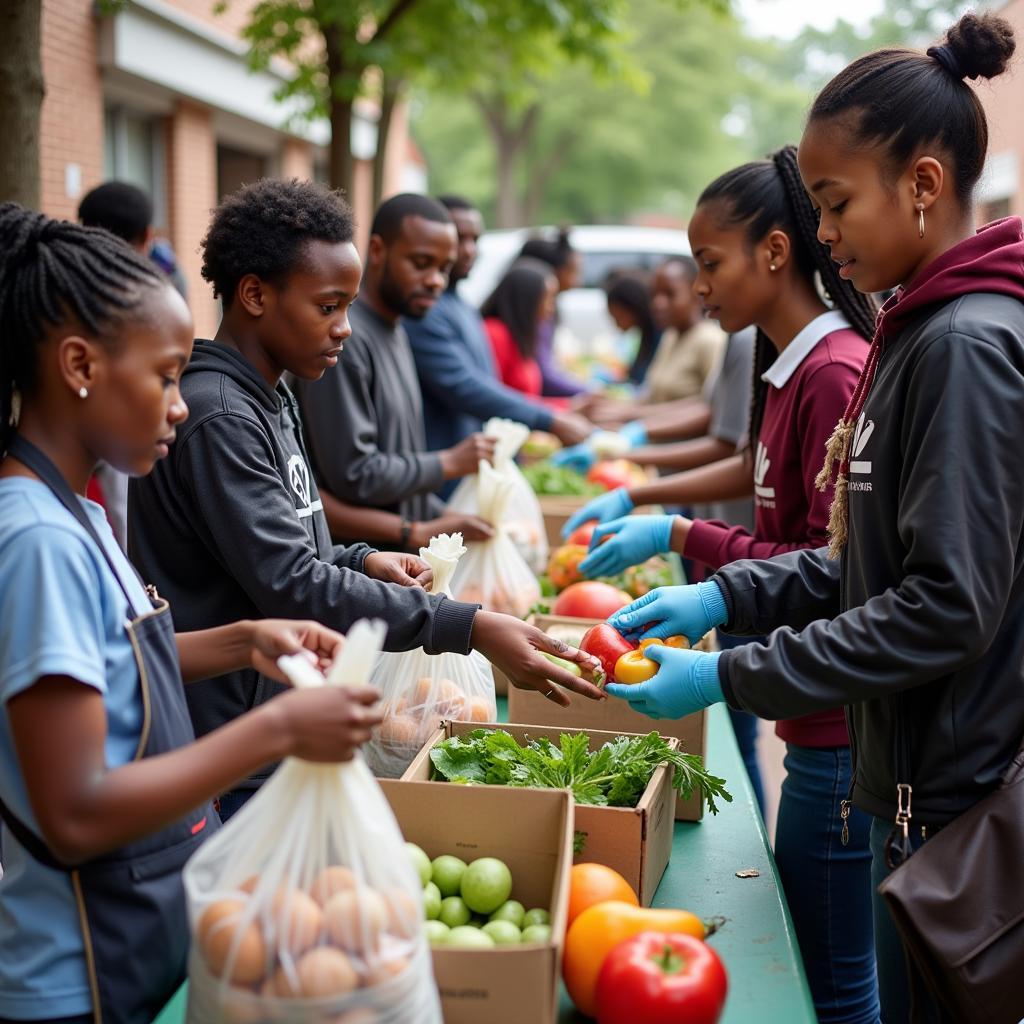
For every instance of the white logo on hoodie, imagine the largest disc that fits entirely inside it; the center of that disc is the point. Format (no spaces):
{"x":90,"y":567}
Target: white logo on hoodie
{"x":861,"y":437}
{"x":761,"y":466}
{"x":298,"y":477}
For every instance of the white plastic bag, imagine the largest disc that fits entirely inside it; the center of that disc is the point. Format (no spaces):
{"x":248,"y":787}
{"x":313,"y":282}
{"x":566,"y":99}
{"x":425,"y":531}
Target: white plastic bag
{"x":305,"y":908}
{"x":421,"y":690}
{"x":524,"y":519}
{"x":493,"y":572}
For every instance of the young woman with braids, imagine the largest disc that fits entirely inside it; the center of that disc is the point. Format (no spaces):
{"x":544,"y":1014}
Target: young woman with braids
{"x":753,"y":237}
{"x":914,"y":615}
{"x":104,"y":791}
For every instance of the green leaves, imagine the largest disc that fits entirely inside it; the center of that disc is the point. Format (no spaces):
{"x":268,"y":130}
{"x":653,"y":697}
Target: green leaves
{"x":615,"y":775}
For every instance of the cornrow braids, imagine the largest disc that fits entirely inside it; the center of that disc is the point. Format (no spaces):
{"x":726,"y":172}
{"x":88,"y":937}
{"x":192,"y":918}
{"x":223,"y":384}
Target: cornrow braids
{"x":55,"y":272}
{"x":769,"y":194}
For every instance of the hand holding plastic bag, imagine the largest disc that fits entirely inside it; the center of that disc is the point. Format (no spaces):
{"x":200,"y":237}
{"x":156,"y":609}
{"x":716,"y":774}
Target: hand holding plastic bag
{"x":493,"y":572}
{"x":525,"y":520}
{"x":304,"y":907}
{"x":420,"y":690}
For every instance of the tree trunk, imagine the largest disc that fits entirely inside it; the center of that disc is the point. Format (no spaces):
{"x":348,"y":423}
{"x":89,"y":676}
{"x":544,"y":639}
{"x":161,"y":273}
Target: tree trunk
{"x":390,"y":93}
{"x":512,"y":138}
{"x":537,"y":186}
{"x":21,"y":100}
{"x":342,"y":164}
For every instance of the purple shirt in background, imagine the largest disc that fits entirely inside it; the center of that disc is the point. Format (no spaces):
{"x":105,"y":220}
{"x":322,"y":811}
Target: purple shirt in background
{"x":555,"y":382}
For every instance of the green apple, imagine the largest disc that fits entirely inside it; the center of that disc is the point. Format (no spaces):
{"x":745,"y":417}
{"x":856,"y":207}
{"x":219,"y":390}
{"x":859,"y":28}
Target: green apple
{"x":537,"y":933}
{"x":536,"y":916}
{"x":486,"y":885}
{"x":454,"y":911}
{"x":446,"y":873}
{"x":420,"y":861}
{"x":431,"y":901}
{"x":512,"y":911}
{"x":470,"y":938}
{"x":436,"y":932}
{"x":504,"y":933}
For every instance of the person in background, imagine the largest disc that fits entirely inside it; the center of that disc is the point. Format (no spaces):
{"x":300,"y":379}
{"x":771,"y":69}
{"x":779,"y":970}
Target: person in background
{"x":125,"y":210}
{"x":455,"y":366}
{"x":564,"y":260}
{"x":231,"y":525}
{"x":513,"y":314}
{"x":629,"y":306}
{"x":364,"y":417}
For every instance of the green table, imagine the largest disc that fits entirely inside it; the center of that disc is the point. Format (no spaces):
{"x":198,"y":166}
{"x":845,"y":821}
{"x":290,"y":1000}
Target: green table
{"x":757,"y":944}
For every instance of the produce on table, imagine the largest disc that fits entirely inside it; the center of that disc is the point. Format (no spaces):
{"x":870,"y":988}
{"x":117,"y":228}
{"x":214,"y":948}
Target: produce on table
{"x":569,"y":666}
{"x":590,"y":599}
{"x":615,"y":775}
{"x":608,"y":444}
{"x":633,"y":667}
{"x":614,"y":473}
{"x":564,"y":565}
{"x":560,"y":481}
{"x":641,"y":579}
{"x":540,"y":445}
{"x":476,"y":911}
{"x":661,"y":979}
{"x":420,"y":861}
{"x":582,"y":534}
{"x":598,"y":930}
{"x":590,"y":884}
{"x":608,"y":645}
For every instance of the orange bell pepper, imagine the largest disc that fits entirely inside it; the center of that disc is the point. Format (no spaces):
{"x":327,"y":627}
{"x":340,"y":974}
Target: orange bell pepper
{"x":600,"y":928}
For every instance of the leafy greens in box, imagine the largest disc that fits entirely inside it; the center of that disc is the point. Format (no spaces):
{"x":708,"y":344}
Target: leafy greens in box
{"x":615,"y":775}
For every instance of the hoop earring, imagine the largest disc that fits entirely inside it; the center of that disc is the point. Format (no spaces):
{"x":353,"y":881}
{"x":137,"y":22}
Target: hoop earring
{"x":83,"y":392}
{"x":920,"y":221}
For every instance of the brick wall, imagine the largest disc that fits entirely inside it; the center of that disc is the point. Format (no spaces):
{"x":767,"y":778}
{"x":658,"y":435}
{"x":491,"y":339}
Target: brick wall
{"x":191,"y":195}
{"x":71,"y":131}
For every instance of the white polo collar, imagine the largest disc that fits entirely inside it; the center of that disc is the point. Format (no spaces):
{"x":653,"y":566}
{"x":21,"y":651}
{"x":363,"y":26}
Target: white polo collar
{"x":800,"y":347}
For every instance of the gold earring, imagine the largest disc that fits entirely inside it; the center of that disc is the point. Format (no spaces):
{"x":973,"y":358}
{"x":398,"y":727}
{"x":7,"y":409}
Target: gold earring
{"x":83,"y":392}
{"x":920,"y":220}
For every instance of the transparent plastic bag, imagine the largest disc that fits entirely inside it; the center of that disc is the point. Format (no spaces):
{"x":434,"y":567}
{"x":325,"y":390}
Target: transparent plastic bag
{"x":305,"y":908}
{"x":421,"y":690}
{"x":524,"y":519}
{"x":493,"y":573}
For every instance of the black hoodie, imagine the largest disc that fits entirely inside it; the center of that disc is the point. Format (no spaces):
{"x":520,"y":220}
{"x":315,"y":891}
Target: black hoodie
{"x":919,"y":627}
{"x":230,"y":526}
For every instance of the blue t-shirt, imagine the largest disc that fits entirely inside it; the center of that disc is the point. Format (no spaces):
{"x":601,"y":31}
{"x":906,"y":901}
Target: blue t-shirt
{"x":61,"y":613}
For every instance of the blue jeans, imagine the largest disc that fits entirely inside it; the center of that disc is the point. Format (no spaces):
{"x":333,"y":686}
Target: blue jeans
{"x":744,"y":724}
{"x":827,"y":884}
{"x":893,"y":985}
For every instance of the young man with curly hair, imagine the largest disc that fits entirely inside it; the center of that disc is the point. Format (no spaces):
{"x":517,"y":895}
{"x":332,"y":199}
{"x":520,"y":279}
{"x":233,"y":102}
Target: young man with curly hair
{"x":230,"y":525}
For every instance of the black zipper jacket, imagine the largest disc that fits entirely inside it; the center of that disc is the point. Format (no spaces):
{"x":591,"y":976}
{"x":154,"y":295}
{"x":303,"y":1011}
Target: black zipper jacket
{"x":922,"y":619}
{"x":230,"y":526}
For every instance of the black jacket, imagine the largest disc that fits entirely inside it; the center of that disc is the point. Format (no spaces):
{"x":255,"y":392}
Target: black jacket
{"x":230,"y":526}
{"x":922,"y":619}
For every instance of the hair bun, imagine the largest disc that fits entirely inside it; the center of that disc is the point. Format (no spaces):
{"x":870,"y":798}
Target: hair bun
{"x":981,"y":45}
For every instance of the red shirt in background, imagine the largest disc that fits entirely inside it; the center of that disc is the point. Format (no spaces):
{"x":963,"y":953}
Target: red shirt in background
{"x":809,"y":386}
{"x":514,"y":369}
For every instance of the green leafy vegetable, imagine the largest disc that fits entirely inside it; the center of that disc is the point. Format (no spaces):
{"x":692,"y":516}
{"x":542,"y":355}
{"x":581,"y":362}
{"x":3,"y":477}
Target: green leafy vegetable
{"x":545,"y":478}
{"x":615,"y":775}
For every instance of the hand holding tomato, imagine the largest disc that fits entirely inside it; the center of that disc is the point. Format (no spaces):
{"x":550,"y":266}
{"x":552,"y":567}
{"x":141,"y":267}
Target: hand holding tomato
{"x":661,"y":979}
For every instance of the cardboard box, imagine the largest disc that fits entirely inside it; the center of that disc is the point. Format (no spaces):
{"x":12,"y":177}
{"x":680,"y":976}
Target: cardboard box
{"x":531,"y":831}
{"x":635,"y":841}
{"x":557,"y":508}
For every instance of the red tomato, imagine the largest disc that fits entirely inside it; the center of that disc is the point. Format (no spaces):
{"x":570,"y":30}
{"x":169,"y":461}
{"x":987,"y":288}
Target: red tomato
{"x":661,"y":979}
{"x":614,"y":473}
{"x":582,"y":534}
{"x":606,"y":644}
{"x":590,"y":599}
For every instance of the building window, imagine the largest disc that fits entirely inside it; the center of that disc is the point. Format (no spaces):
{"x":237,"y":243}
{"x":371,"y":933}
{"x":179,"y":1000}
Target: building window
{"x":133,"y":151}
{"x":236,"y":167}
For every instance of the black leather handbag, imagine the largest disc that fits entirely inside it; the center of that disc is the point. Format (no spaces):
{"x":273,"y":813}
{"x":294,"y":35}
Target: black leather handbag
{"x":958,"y":903}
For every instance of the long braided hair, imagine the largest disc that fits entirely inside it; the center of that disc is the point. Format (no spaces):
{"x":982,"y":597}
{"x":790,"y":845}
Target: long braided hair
{"x":767,"y":195}
{"x":55,"y":272}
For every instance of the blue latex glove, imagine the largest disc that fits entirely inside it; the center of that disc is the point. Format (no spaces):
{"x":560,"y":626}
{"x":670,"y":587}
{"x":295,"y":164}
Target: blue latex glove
{"x":686,"y":682}
{"x":578,"y":456}
{"x":634,"y":539}
{"x":673,"y":611}
{"x":612,"y":505}
{"x":635,"y":433}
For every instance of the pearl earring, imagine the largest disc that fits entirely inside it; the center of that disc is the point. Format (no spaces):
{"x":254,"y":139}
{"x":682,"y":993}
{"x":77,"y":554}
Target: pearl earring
{"x":771,"y":266}
{"x":83,"y":392}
